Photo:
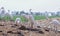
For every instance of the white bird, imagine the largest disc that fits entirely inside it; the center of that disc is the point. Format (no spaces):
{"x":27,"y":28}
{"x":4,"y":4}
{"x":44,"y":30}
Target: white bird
{"x":18,"y":20}
{"x":55,"y":22}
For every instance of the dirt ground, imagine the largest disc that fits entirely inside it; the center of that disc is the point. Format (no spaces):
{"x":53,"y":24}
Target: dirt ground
{"x":10,"y":28}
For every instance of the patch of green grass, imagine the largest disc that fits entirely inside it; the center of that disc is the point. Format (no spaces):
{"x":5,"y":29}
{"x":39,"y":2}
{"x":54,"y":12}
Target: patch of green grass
{"x":6,"y":18}
{"x":54,"y":16}
{"x":39,"y":17}
{"x":14,"y":17}
{"x":36,"y":17}
{"x":23,"y":19}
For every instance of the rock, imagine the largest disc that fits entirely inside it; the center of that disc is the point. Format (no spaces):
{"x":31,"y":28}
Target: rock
{"x":47,"y":30}
{"x":9,"y":32}
{"x":4,"y":34}
{"x":58,"y":31}
{"x":38,"y":27}
{"x":41,"y":32}
{"x":1,"y":31}
{"x":20,"y":34}
{"x":22,"y":28}
{"x":1,"y":25}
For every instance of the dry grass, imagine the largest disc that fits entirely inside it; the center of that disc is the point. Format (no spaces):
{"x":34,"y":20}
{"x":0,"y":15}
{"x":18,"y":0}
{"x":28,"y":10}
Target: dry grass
{"x":14,"y":31}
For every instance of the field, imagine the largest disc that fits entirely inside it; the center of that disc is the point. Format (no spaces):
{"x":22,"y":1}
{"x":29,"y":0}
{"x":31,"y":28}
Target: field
{"x":10,"y":28}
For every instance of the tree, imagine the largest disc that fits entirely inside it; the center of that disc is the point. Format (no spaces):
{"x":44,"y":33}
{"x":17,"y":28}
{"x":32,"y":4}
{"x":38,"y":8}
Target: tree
{"x":22,"y":12}
{"x":3,"y":11}
{"x":17,"y":13}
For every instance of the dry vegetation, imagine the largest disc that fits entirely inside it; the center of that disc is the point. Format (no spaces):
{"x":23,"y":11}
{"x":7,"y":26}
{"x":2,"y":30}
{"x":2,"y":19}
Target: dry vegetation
{"x":10,"y":28}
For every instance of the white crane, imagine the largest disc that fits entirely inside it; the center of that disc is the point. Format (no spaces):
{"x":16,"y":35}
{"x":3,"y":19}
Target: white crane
{"x":55,"y":23}
{"x":30,"y":17}
{"x":18,"y":20}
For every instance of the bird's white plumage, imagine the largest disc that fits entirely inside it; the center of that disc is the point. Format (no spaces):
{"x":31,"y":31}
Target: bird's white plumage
{"x":18,"y":20}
